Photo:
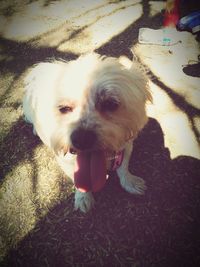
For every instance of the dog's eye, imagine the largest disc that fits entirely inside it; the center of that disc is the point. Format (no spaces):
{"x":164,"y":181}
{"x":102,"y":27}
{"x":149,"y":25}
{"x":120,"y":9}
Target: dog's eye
{"x":109,"y":105}
{"x":65,"y":109}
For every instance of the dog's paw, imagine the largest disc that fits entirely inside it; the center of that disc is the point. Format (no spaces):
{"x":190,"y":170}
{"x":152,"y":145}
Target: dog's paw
{"x":133,"y":184}
{"x":83,"y":201}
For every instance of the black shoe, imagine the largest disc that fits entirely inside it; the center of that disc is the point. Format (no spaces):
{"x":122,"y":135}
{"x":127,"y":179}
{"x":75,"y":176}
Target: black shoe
{"x":192,"y":70}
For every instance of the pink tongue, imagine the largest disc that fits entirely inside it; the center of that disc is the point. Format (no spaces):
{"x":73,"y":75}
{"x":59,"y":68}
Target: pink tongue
{"x":90,"y":171}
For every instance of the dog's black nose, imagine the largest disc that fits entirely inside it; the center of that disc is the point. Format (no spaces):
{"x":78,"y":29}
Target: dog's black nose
{"x":83,"y":139}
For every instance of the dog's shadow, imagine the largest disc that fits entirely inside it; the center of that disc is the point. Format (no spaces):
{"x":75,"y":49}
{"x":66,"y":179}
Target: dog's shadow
{"x":156,"y":229}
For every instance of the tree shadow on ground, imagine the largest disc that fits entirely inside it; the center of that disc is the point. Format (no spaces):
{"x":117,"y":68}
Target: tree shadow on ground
{"x":160,"y":228}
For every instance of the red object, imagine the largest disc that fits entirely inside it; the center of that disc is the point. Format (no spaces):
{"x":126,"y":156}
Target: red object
{"x":171,"y":17}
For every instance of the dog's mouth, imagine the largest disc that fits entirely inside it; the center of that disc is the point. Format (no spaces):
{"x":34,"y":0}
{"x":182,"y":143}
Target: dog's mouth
{"x":90,"y":170}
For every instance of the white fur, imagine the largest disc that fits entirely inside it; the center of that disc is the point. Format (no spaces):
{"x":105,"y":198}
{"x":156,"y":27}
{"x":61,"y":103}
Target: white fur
{"x":81,"y":84}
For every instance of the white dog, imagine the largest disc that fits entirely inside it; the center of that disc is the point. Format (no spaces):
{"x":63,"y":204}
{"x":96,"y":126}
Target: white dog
{"x":89,"y":111}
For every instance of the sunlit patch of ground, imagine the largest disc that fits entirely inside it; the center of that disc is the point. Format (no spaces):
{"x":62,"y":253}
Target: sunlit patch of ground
{"x":71,"y":26}
{"x":174,"y":92}
{"x":32,"y":18}
{"x":113,"y":18}
{"x":167,"y":62}
{"x":178,"y":132}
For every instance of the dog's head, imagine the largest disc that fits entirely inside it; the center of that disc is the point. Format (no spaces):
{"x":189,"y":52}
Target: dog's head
{"x":93,"y":103}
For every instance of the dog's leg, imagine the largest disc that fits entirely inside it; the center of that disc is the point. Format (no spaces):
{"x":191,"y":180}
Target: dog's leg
{"x":83,"y":201}
{"x":131,"y":183}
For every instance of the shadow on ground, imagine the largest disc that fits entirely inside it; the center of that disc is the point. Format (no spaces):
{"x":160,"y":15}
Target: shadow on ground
{"x":18,"y":146}
{"x":160,"y":228}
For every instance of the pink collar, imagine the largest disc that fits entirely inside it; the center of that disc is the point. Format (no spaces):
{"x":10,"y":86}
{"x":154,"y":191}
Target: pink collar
{"x":116,"y":160}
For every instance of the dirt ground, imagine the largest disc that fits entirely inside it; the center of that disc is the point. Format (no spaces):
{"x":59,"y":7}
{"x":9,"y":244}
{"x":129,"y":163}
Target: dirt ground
{"x":38,"y":225}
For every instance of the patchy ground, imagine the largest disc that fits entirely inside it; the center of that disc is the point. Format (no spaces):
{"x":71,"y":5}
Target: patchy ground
{"x":38,"y":226}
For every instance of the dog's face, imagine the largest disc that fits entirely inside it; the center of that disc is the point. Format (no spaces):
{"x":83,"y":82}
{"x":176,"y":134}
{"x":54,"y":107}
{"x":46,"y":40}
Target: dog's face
{"x":94,"y":103}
